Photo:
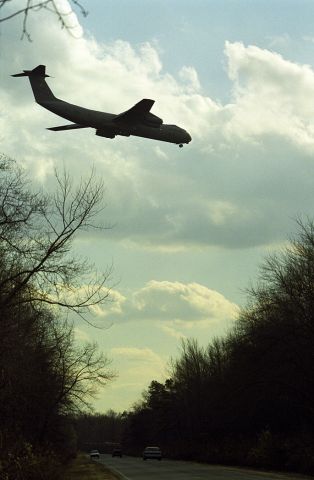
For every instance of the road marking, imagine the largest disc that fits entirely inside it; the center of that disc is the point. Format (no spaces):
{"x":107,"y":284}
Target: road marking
{"x":115,"y":470}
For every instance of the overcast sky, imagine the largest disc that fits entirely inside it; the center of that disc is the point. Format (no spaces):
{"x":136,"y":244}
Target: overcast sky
{"x":190,"y":226}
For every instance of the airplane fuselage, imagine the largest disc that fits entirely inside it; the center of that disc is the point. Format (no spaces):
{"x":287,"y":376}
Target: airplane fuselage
{"x":105,"y":124}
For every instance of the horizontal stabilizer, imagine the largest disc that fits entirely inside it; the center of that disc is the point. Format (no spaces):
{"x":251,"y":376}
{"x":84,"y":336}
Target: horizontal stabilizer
{"x":72,"y":126}
{"x":39,"y":71}
{"x":24,"y":74}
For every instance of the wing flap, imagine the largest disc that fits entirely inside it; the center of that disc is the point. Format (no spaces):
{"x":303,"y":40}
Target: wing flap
{"x":71,"y":126}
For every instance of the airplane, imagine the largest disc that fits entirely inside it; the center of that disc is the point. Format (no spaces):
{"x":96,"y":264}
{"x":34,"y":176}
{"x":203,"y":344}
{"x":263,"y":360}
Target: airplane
{"x":138,"y":120}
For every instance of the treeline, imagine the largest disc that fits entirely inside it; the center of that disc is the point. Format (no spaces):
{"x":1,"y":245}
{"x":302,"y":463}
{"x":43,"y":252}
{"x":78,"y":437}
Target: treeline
{"x":246,"y":398}
{"x":45,"y":377}
{"x":101,"y":431}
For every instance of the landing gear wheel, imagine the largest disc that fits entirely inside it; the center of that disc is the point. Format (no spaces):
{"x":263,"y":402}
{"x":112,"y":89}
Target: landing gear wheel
{"x":180,"y":145}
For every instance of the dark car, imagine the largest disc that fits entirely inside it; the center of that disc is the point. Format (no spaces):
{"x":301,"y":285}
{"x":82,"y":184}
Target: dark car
{"x":94,"y":454}
{"x":117,"y":452}
{"x":152,"y":452}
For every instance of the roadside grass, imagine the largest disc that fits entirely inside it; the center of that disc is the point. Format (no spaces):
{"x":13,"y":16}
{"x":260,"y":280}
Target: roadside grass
{"x":82,"y":468}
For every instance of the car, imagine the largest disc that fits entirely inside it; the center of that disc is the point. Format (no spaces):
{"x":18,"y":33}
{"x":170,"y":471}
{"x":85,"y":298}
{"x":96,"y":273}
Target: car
{"x":152,"y":452}
{"x":94,"y":454}
{"x":117,"y":452}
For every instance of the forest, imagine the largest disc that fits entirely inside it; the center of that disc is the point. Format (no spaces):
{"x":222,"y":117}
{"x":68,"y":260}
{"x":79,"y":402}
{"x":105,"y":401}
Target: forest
{"x":246,"y":398}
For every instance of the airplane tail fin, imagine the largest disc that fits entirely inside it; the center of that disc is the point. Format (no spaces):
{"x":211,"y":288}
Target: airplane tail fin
{"x":42,"y":92}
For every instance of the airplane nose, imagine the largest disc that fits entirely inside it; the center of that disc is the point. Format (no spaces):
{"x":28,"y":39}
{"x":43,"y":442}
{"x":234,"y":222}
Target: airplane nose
{"x":188,"y":137}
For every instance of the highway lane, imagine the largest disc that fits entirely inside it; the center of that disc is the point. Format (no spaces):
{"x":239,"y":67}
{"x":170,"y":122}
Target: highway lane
{"x":134,"y":468}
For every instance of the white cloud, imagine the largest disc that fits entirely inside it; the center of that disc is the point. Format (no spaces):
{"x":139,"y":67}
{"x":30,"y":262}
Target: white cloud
{"x":190,"y":77}
{"x":145,"y":355}
{"x":271,"y":95}
{"x":173,"y":332}
{"x":174,"y":306}
{"x":69,"y":18}
{"x":221,"y":190}
{"x":161,"y":153}
{"x":220,"y":212}
{"x":114,"y":305}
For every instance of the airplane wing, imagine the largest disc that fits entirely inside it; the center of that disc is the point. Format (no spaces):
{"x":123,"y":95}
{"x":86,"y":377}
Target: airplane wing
{"x":71,"y":126}
{"x":137,"y":112}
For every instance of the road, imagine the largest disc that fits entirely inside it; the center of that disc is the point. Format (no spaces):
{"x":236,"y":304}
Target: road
{"x":131,"y":468}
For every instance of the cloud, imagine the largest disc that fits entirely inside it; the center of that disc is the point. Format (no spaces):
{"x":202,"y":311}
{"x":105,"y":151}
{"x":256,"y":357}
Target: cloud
{"x":145,"y":355}
{"x":176,"y":300}
{"x":189,"y":76}
{"x":247,"y":172}
{"x":271,"y":96}
{"x":173,"y":332}
{"x":173,"y":307}
{"x":114,"y":305}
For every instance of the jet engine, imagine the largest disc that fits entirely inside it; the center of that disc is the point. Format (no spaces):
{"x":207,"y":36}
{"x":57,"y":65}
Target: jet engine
{"x":105,"y":133}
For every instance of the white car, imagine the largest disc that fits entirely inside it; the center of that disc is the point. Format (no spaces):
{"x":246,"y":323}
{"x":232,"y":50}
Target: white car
{"x":152,"y":452}
{"x":94,"y":454}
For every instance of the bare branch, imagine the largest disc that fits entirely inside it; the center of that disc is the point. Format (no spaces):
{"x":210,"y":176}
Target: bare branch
{"x":36,"y":234}
{"x":48,"y":5}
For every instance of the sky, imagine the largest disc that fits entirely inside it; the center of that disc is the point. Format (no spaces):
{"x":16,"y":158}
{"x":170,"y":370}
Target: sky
{"x":190,"y":227}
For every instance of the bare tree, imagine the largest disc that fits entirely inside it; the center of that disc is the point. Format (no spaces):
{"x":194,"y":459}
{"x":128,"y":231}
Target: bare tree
{"x":79,"y":370}
{"x":83,"y":371}
{"x":32,"y":6}
{"x":45,"y":378}
{"x":36,"y":235}
{"x":44,"y":374}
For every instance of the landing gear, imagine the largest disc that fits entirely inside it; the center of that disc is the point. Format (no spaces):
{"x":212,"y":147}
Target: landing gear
{"x":180,"y":145}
